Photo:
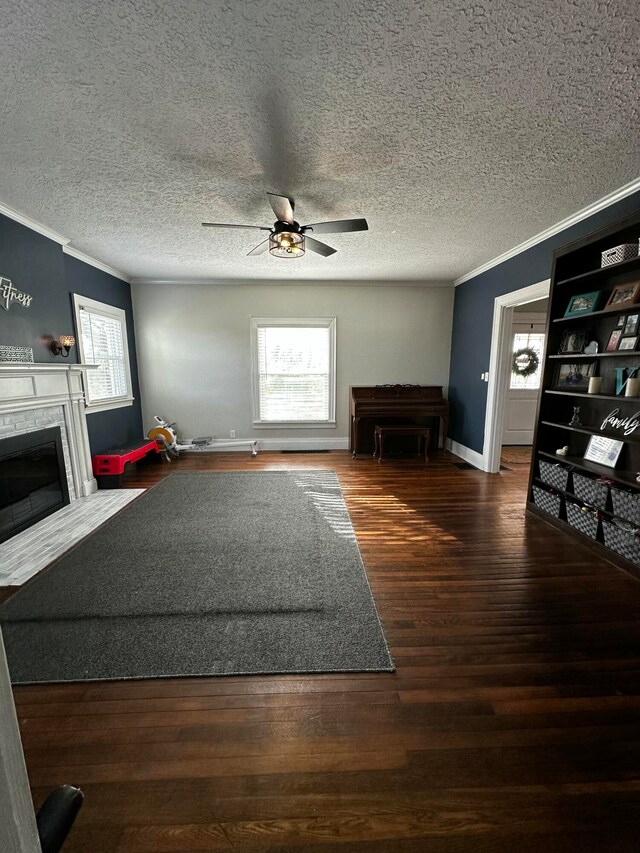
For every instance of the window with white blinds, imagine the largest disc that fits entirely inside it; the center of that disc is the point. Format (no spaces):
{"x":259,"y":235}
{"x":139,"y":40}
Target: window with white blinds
{"x":102,"y":340}
{"x":294,"y":371}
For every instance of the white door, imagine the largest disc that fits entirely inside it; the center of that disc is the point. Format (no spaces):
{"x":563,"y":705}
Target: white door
{"x":522,"y":392}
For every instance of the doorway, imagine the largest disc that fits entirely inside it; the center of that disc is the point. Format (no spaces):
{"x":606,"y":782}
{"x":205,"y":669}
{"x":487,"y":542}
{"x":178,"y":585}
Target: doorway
{"x":518,"y":324}
{"x":523,"y":382}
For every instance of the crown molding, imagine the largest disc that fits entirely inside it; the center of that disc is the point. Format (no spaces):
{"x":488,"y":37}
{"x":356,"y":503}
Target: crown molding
{"x":585,"y":213}
{"x":302,"y":282}
{"x":9,"y":212}
{"x":33,"y":225}
{"x":87,"y":259}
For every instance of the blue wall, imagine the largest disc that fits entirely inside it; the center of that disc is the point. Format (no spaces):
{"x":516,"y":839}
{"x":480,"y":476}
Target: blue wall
{"x":473,"y":319}
{"x":38,"y":266}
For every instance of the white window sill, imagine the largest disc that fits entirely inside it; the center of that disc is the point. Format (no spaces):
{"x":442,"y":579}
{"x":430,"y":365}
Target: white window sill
{"x":106,"y":405}
{"x":294,"y":424}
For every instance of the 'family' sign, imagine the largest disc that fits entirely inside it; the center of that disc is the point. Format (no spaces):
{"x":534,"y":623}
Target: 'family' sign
{"x":10,"y":294}
{"x":627,"y":425}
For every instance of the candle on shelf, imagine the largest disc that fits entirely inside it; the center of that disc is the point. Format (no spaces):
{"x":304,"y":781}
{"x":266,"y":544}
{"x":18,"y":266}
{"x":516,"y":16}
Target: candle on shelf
{"x":632,"y":388}
{"x":594,"y":384}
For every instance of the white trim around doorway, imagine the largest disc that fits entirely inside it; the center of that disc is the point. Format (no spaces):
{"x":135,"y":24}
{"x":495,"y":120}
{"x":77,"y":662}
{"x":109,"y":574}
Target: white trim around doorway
{"x":499,"y":367}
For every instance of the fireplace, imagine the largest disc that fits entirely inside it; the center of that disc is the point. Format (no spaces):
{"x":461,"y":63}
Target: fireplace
{"x":33,"y":480}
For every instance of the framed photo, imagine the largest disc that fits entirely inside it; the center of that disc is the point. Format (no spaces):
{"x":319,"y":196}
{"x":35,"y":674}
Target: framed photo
{"x":613,"y":341}
{"x":604,"y":451}
{"x":622,"y":319}
{"x":575,"y":376}
{"x":623,"y":296}
{"x":573,"y":341}
{"x":583,"y":303}
{"x":631,"y":324}
{"x":628,"y":343}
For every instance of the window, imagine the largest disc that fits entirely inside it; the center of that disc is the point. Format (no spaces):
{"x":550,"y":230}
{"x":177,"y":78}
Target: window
{"x":293,"y":371}
{"x":102,"y":339}
{"x":527,"y":340}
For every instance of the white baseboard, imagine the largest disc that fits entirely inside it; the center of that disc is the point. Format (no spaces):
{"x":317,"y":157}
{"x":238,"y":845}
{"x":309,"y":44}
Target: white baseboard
{"x":275,"y":444}
{"x":472,"y":456}
{"x":303,"y":444}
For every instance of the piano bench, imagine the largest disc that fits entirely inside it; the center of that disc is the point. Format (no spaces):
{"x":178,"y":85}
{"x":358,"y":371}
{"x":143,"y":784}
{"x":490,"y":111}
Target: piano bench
{"x":423,"y":434}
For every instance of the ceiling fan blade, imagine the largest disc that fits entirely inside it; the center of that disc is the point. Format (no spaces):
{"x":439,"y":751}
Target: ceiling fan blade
{"x":282,"y":206}
{"x":226,"y":225}
{"x":318,"y":247}
{"x":260,"y":248}
{"x":340,"y":226}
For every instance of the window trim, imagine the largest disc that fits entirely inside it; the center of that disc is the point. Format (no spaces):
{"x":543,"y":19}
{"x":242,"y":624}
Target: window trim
{"x":299,"y":323}
{"x":81,"y":303}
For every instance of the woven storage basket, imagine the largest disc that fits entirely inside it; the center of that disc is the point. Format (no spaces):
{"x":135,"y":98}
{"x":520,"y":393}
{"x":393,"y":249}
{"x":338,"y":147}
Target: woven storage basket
{"x":621,"y":541}
{"x":589,"y":490}
{"x":547,"y":502}
{"x":626,"y":505}
{"x":618,"y":253}
{"x":553,"y":474}
{"x":585,"y":522}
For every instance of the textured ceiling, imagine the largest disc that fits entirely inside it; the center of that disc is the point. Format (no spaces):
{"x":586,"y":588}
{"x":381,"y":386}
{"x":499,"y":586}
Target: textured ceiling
{"x":459,"y":129}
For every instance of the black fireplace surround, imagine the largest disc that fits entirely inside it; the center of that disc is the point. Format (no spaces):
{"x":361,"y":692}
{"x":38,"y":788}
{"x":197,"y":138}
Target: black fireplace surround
{"x":33,"y":479}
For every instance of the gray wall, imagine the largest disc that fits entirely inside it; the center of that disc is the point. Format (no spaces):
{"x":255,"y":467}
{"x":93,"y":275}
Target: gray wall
{"x":194,"y":356}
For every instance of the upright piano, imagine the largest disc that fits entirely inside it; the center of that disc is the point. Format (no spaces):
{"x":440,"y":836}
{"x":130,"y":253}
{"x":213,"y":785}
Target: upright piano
{"x":388,"y":404}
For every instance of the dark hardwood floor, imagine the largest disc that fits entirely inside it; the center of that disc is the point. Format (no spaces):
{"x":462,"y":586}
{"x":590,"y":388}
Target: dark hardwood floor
{"x":511,"y":724}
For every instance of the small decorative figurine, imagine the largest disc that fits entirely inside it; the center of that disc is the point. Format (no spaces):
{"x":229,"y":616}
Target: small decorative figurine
{"x":591,"y":348}
{"x":563,"y":451}
{"x":638,"y":477}
{"x":575,"y":420}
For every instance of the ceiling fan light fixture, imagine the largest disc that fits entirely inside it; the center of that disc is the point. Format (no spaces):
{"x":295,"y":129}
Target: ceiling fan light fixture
{"x":286,"y":244}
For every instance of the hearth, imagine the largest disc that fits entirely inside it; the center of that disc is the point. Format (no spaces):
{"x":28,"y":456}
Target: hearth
{"x":33,"y":480}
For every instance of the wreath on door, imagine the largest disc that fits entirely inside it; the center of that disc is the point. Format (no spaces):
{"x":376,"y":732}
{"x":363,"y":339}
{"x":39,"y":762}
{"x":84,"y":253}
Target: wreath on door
{"x":525,"y":361}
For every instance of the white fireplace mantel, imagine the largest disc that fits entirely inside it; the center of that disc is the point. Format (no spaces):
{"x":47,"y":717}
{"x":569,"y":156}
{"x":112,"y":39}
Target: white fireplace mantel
{"x":27,"y":387}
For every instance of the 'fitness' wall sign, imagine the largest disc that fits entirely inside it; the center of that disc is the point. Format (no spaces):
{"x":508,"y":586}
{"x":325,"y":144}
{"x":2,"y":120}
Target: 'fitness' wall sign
{"x":10,"y":294}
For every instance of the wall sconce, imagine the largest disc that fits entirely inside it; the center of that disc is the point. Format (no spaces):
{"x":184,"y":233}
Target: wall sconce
{"x":62,"y":345}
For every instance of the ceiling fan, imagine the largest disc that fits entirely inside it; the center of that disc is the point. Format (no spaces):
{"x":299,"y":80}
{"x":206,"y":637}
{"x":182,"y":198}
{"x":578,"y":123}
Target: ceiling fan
{"x":287,"y":238}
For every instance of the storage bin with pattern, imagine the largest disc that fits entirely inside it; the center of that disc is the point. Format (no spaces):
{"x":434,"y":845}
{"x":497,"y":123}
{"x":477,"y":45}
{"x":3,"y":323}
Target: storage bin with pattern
{"x":553,"y":474}
{"x":591,"y":491}
{"x":583,"y":519}
{"x":626,"y":505}
{"x":623,"y":542}
{"x":547,"y":501}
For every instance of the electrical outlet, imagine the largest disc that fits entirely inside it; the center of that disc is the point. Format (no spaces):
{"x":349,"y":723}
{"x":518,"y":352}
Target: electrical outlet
{"x":232,"y":433}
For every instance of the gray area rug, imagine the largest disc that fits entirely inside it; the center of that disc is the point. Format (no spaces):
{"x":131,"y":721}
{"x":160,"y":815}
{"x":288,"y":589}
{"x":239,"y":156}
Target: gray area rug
{"x":205,"y":574}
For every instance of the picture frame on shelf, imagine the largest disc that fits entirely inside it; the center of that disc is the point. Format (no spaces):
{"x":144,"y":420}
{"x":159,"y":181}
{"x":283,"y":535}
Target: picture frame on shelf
{"x":574,"y":377}
{"x":614,"y":340}
{"x":631,"y":324}
{"x":573,"y":341}
{"x":623,"y":296}
{"x":622,"y":319}
{"x":604,"y":451}
{"x":628,"y":343}
{"x":583,"y":303}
